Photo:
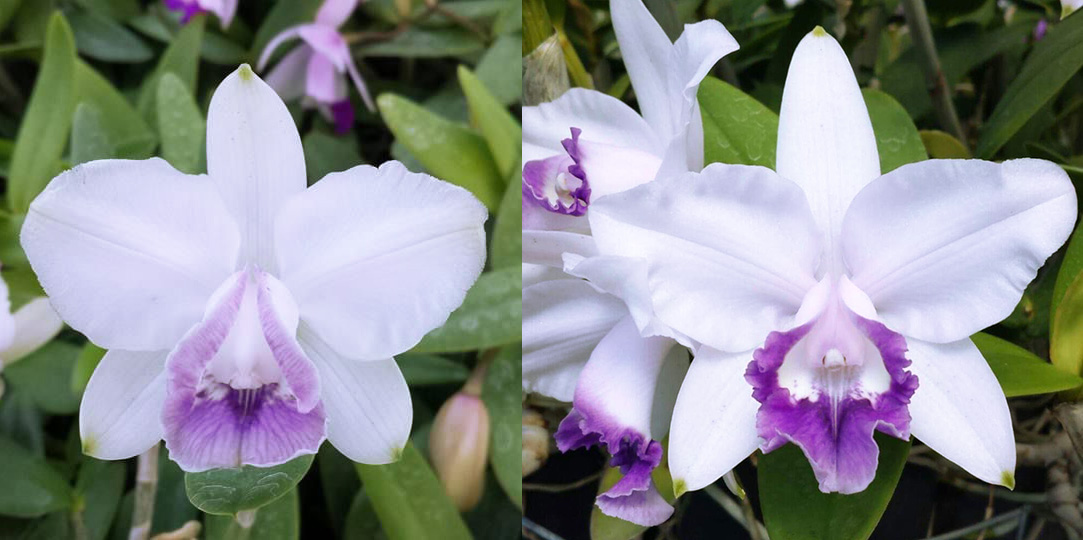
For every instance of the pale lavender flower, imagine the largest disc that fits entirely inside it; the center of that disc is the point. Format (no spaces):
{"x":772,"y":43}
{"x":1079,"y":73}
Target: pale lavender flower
{"x":317,"y":69}
{"x":224,"y":9}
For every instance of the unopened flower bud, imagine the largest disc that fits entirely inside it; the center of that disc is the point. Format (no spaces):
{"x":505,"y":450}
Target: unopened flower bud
{"x":459,"y":445}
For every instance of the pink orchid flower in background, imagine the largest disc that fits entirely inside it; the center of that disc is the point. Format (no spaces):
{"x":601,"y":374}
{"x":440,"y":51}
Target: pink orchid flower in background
{"x":26,"y":329}
{"x":317,"y":69}
{"x":248,"y":317}
{"x":595,"y":343}
{"x":224,"y":9}
{"x":831,"y":301}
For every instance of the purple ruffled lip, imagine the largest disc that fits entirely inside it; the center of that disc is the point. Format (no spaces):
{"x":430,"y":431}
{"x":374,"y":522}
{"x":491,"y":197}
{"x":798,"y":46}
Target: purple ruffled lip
{"x":835,"y":433}
{"x":634,"y":498}
{"x":543,"y":175}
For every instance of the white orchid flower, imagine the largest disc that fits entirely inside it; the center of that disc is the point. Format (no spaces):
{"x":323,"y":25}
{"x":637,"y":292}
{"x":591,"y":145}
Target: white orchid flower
{"x":25,"y":329}
{"x":878,"y":282}
{"x":591,"y":343}
{"x":247,"y":317}
{"x":1067,"y":7}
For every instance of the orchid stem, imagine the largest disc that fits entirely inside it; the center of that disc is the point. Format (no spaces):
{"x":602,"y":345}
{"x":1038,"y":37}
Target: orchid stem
{"x":755,"y":529}
{"x":917,"y":18}
{"x":146,"y":486}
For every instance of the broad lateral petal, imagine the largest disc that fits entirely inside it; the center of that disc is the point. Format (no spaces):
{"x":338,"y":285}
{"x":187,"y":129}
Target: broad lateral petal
{"x":548,"y":247}
{"x":368,"y":406}
{"x":321,"y":80}
{"x":714,"y":419}
{"x":328,"y":43}
{"x":119,"y":414}
{"x":563,"y":321}
{"x":825,"y":138}
{"x":288,"y":77}
{"x":376,"y":258}
{"x":945,"y":248}
{"x":960,"y":411}
{"x":130,"y":251}
{"x":602,"y":118}
{"x":730,"y":252}
{"x":254,"y":158}
{"x":36,"y":323}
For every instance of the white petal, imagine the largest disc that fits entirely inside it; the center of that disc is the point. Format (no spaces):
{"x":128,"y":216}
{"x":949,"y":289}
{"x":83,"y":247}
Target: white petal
{"x":603,"y":119}
{"x":665,"y":76}
{"x":714,"y":420}
{"x":945,"y":248}
{"x":960,"y":411}
{"x":368,"y":406}
{"x":825,"y":138}
{"x":612,"y":169}
{"x":730,"y":252}
{"x":376,"y":258}
{"x":548,"y":247}
{"x":120,"y":415}
{"x":620,"y":380}
{"x":254,"y":157}
{"x":563,"y":321}
{"x":130,"y":251}
{"x":36,"y":323}
{"x":335,"y":12}
{"x":293,"y":32}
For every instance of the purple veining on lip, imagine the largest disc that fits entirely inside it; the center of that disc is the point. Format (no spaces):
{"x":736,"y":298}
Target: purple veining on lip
{"x":188,"y":8}
{"x":837,"y":438}
{"x":209,"y":424}
{"x":539,"y":174}
{"x":634,"y":498}
{"x":342,"y":114}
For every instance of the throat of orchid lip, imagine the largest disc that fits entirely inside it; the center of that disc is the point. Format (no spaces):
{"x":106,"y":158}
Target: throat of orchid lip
{"x":830,"y":383}
{"x":558,"y":183}
{"x":240,"y":390}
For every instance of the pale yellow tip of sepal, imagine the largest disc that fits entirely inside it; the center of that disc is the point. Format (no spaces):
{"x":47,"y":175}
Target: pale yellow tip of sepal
{"x":1007,"y":479}
{"x":245,"y":72}
{"x":89,"y":446}
{"x":680,"y":487}
{"x":819,"y":31}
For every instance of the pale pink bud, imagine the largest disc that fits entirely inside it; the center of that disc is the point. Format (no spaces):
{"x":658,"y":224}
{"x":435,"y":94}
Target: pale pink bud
{"x":459,"y":447}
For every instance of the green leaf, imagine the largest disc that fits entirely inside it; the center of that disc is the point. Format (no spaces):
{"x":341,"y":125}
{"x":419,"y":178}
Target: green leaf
{"x":503,"y":396}
{"x":427,"y":369}
{"x":181,"y":58}
{"x":449,"y":151}
{"x":280,"y":520}
{"x":420,"y":42}
{"x":897,"y":138}
{"x":500,"y":68}
{"x":502,"y":133}
{"x":172,"y":509}
{"x":180,"y":125}
{"x":409,"y":500}
{"x":1071,"y":266}
{"x":31,"y":487}
{"x":228,"y":491}
{"x":1066,"y":337}
{"x":737,"y":129}
{"x":940,"y":145}
{"x":361,"y":520}
{"x":1054,"y":60}
{"x":506,"y":247}
{"x":129,"y":134}
{"x":490,"y":316}
{"x":89,"y":139}
{"x":43,"y":132}
{"x":1019,"y":371}
{"x":99,"y":487}
{"x":326,"y":153}
{"x":603,"y":527}
{"x":102,"y":38}
{"x":340,"y":484}
{"x":45,"y":376}
{"x":795,"y":509}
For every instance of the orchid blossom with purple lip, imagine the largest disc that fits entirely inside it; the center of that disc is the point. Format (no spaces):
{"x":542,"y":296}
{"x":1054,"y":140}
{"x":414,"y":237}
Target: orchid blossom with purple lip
{"x":317,"y":69}
{"x":595,"y":344}
{"x":248,"y":318}
{"x":826,"y":301}
{"x":224,"y":9}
